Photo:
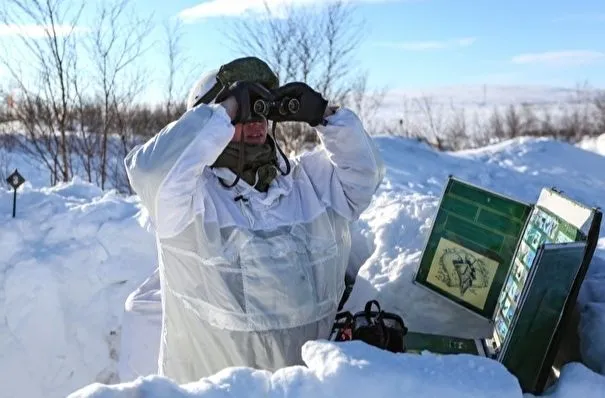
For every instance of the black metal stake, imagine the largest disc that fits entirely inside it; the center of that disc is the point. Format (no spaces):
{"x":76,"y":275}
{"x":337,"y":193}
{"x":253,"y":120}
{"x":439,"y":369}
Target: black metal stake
{"x":14,"y":202}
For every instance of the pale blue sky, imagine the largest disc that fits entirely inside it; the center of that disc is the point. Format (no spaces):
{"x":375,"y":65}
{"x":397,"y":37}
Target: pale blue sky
{"x":426,"y":43}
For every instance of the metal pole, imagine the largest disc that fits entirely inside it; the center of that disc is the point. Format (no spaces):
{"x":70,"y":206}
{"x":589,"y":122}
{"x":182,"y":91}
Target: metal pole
{"x":14,"y":202}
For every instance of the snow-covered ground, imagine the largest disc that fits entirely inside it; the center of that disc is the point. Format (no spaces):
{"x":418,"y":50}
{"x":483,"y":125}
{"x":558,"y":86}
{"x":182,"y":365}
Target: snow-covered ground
{"x":73,"y":254}
{"x":67,"y":261}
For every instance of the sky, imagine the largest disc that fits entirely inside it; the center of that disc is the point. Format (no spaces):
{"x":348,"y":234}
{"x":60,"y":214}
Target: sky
{"x":411,"y":44}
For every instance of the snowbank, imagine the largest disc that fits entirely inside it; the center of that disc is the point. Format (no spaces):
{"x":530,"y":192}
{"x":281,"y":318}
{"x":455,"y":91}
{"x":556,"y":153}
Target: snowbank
{"x":67,"y":262}
{"x":351,"y":369}
{"x":594,"y":144}
{"x":74,"y":254}
{"x":592,"y":321}
{"x":141,"y":330}
{"x":576,"y":381}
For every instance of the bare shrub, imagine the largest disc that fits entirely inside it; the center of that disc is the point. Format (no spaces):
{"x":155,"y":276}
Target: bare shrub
{"x":547,"y":125}
{"x":405,"y":126}
{"x":599,"y":113}
{"x":512,"y":123}
{"x":433,"y":121}
{"x":456,"y":133}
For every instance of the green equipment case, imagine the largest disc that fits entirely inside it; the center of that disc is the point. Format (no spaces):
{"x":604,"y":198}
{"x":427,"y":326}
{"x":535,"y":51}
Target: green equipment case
{"x":517,"y":265}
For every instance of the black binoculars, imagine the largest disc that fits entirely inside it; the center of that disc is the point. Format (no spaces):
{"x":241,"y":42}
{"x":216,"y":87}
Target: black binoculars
{"x":284,"y":106}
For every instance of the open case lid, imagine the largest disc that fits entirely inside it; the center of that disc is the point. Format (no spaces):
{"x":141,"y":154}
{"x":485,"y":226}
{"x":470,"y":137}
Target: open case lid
{"x":539,"y":312}
{"x":471,"y":246}
{"x":588,"y":221}
{"x":576,"y":214}
{"x":548,"y":224}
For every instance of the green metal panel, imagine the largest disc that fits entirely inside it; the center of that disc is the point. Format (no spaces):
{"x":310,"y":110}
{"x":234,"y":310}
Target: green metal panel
{"x":471,"y":246}
{"x":418,"y":342}
{"x":537,"y":319}
{"x":483,"y":197}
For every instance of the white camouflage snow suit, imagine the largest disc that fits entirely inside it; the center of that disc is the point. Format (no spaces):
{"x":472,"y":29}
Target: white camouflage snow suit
{"x":247,"y":282}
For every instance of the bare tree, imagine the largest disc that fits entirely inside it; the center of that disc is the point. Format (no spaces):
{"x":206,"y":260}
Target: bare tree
{"x":530,"y":123}
{"x":118,"y":39}
{"x":6,"y":103}
{"x":365,"y":103}
{"x":405,"y":125}
{"x":122,"y":127}
{"x":52,"y":59}
{"x":513,"y":123}
{"x":315,"y":46}
{"x":342,"y":35}
{"x":578,"y":118}
{"x":575,"y":123}
{"x":496,"y":125}
{"x":599,"y":113}
{"x":8,"y":140}
{"x":456,"y":133}
{"x":178,"y":71}
{"x":173,"y":50}
{"x":547,"y":125}
{"x":434,"y":119}
{"x":480,"y":135}
{"x":89,"y":122}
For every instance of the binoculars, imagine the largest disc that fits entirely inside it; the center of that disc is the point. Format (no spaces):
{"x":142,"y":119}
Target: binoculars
{"x":283,"y":107}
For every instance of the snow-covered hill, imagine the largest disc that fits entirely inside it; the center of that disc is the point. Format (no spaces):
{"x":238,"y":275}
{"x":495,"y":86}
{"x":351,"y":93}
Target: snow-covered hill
{"x":73,"y":254}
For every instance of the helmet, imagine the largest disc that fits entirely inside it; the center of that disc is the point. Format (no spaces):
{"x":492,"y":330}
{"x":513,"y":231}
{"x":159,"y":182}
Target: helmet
{"x":201,"y":87}
{"x":210,"y":84}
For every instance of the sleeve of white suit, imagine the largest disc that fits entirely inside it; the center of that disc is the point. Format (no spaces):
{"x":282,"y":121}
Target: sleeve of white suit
{"x":347,"y":168}
{"x":165,"y":170}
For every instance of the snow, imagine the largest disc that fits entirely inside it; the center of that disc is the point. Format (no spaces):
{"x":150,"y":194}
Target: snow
{"x":576,"y":381}
{"x":350,"y":369}
{"x":141,"y":330}
{"x":592,"y":322}
{"x":594,"y":144}
{"x":68,"y":260}
{"x":75,"y":253}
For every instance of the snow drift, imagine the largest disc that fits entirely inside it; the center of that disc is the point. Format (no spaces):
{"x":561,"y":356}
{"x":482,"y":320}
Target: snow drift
{"x":74,"y":253}
{"x":594,"y":144}
{"x":350,"y":369}
{"x":67,"y":262}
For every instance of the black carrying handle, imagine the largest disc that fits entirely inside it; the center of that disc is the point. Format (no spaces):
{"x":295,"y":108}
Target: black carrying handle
{"x":368,"y":310}
{"x":379,"y":322}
